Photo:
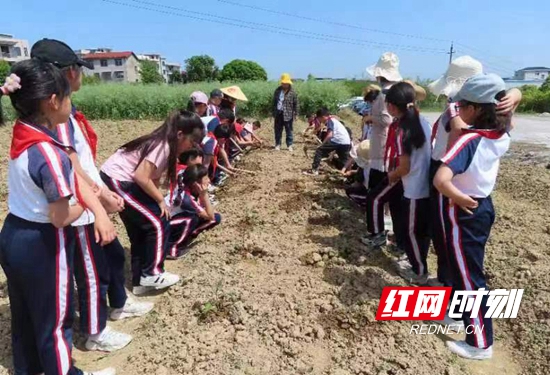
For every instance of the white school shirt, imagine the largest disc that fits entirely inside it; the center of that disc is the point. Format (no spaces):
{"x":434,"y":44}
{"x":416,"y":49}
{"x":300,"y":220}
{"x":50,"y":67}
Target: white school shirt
{"x":71,"y":134}
{"x":40,"y":175}
{"x":340,"y":134}
{"x":441,"y":138}
{"x":415,"y":183}
{"x":475,"y":159}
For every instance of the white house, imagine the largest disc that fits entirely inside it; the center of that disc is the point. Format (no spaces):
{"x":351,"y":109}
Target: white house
{"x":114,"y":66}
{"x":532,"y":74}
{"x":13,"y":50}
{"x":159,"y":60}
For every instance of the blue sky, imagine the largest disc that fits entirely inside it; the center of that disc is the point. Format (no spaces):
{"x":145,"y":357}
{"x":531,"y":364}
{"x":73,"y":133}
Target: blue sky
{"x":504,"y":35}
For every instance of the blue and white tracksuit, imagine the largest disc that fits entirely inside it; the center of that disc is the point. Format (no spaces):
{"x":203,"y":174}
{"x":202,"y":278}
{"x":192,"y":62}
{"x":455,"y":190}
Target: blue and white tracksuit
{"x":474,"y":160}
{"x":37,"y":259}
{"x":99,"y":271}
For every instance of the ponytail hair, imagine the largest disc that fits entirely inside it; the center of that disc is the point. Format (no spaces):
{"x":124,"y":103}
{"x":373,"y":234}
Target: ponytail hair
{"x":188,"y":123}
{"x":402,"y":96}
{"x":38,"y":81}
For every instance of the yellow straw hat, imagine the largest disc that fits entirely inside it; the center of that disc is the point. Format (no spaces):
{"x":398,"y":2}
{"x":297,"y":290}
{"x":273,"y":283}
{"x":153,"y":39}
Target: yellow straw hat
{"x":285,"y":78}
{"x":235,"y":92}
{"x":419,"y":90}
{"x":371,"y":88}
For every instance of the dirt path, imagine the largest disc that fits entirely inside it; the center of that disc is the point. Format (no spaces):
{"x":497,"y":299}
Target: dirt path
{"x":256,"y":303}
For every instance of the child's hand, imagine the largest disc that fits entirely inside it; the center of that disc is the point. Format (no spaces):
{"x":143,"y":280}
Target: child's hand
{"x":111,"y":201}
{"x":506,"y":105}
{"x":164,"y":210}
{"x":466,"y":203}
{"x":105,"y":231}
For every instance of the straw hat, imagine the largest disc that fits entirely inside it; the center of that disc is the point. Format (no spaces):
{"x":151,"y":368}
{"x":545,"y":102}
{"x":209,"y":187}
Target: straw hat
{"x":458,"y":72}
{"x":387,"y":67}
{"x":371,"y":88}
{"x":420,"y":92}
{"x":285,"y":78}
{"x":361,"y":154}
{"x":235,"y":92}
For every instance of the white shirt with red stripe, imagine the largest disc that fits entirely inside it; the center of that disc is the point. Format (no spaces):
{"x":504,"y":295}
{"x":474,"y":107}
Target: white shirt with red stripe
{"x":415,"y":183}
{"x":475,"y":160}
{"x":40,"y":175}
{"x":71,"y":134}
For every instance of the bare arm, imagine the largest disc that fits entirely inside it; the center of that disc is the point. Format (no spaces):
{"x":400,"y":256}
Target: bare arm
{"x":402,"y":170}
{"x":208,"y":213}
{"x":443,"y":183}
{"x":62,"y":214}
{"x":143,"y":178}
{"x":457,"y":125}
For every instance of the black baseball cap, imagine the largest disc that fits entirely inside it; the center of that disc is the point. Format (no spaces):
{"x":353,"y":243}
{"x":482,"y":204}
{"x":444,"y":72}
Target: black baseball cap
{"x":57,"y":53}
{"x":216,"y":93}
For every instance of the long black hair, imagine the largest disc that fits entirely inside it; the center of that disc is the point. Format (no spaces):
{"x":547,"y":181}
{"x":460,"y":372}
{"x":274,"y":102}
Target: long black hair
{"x":183,"y":121}
{"x":39,"y":81}
{"x":488,"y":117}
{"x":402,"y":95}
{"x":194,"y":173}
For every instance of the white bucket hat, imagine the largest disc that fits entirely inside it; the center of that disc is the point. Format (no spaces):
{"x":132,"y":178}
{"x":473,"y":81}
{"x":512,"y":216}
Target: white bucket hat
{"x":361,"y":154}
{"x":387,"y":67}
{"x":458,"y":72}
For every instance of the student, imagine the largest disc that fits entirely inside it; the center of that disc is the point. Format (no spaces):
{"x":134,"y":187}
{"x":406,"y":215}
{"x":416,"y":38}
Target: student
{"x":192,"y":211}
{"x":386,"y":73}
{"x":357,"y":192}
{"x":190,"y":157}
{"x":36,"y":242}
{"x":198,"y":103}
{"x":337,"y":139}
{"x":99,"y":270}
{"x":231,"y":95}
{"x":446,"y":130}
{"x":134,"y":172}
{"x":413,"y":151}
{"x":219,"y":130}
{"x":371,"y":93}
{"x":467,"y":178}
{"x":214,"y":102}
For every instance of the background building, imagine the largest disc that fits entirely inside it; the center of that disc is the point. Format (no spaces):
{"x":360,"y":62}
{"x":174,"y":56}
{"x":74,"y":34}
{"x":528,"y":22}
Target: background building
{"x":113,"y":66}
{"x":159,"y":60}
{"x":13,"y":50}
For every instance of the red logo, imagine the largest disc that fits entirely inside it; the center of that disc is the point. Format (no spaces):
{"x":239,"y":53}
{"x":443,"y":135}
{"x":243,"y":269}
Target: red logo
{"x":413,"y":303}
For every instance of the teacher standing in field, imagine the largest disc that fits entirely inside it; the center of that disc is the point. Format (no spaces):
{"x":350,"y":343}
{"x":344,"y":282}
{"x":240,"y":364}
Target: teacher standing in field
{"x":285,"y":111}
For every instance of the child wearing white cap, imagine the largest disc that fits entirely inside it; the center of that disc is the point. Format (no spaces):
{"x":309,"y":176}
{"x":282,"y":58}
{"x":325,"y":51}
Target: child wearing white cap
{"x":466,"y":179}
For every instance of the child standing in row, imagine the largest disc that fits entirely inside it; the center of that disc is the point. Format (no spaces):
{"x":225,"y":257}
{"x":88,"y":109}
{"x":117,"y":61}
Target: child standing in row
{"x":134,"y":172}
{"x":37,"y":243}
{"x":413,"y":151}
{"x":467,"y":178}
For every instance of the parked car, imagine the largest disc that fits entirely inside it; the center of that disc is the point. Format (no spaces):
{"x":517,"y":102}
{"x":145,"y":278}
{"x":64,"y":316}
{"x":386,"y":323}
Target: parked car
{"x":357,"y":105}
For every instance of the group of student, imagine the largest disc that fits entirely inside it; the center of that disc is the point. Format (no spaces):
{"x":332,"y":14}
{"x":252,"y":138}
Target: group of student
{"x":435,"y":181}
{"x":58,"y":228}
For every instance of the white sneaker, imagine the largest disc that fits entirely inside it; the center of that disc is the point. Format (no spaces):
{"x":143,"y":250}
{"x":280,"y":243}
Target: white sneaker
{"x":290,"y":148}
{"x":108,"y":340}
{"x":161,"y":281}
{"x":454,"y":325}
{"x":107,"y":371}
{"x":311,"y":172}
{"x":141,"y":290}
{"x":462,"y":349}
{"x":212,"y":188}
{"x":132,"y":309}
{"x":277,"y":148}
{"x":433,"y":281}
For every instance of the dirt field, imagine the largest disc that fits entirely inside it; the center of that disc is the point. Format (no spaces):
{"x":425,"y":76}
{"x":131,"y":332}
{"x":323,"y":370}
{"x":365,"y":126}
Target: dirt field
{"x":253,"y":302}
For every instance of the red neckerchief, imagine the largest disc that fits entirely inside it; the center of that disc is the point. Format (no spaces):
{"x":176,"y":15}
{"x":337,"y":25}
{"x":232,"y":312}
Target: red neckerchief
{"x":25,"y":136}
{"x":390,"y":155}
{"x":487,"y":133}
{"x":88,"y":131}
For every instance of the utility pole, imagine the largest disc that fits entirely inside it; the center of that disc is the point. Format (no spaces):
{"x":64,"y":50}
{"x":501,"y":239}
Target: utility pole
{"x":451,"y":52}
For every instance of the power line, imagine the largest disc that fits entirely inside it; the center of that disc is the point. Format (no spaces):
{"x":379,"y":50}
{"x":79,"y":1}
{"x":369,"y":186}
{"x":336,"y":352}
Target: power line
{"x":478,"y":50}
{"x":325,"y":21}
{"x":275,"y":29}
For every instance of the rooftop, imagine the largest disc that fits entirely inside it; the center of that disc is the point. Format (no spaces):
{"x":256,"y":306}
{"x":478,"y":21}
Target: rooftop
{"x":534,"y":68}
{"x":108,"y":55}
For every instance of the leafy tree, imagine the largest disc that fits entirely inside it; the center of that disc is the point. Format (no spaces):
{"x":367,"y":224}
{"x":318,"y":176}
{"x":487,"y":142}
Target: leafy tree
{"x":150,"y":72}
{"x":243,"y":70}
{"x":90,"y":80}
{"x":310,"y":77}
{"x":201,"y":68}
{"x":5,"y":69}
{"x":546,"y":85}
{"x":176,"y":77}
